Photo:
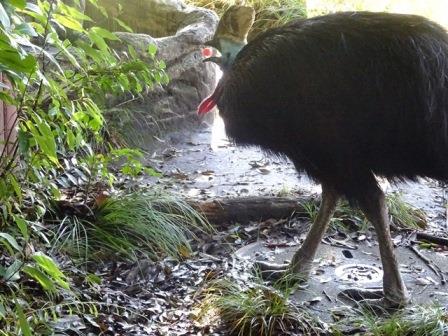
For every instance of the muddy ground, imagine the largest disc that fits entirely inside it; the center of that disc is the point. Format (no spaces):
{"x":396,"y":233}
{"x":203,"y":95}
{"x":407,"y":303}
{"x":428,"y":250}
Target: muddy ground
{"x":204,"y":165}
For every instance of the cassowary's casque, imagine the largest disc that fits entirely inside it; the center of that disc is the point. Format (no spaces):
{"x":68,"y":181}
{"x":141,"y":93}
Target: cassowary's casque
{"x":345,"y":96}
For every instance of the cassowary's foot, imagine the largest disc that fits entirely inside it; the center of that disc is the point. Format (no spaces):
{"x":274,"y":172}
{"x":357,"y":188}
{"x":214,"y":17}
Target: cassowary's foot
{"x":287,"y":273}
{"x":271,"y":272}
{"x":376,"y":299}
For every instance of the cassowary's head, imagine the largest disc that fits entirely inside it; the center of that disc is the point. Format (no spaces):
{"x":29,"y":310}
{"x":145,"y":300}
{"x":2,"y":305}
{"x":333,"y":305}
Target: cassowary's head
{"x":230,"y":37}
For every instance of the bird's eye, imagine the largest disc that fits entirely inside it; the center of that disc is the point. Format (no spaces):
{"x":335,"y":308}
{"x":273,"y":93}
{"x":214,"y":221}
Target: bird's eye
{"x":207,"y":52}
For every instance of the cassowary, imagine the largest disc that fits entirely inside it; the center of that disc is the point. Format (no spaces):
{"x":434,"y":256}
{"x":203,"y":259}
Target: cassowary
{"x":346,"y":97}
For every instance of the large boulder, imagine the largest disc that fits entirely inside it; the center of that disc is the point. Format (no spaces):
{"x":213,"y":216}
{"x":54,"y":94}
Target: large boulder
{"x":179,"y":32}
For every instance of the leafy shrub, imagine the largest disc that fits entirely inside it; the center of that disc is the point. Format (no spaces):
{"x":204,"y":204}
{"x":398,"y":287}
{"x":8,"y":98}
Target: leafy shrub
{"x":58,"y":75}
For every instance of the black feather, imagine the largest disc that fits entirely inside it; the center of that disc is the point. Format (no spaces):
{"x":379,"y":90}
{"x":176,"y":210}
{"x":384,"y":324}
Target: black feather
{"x":345,"y":96}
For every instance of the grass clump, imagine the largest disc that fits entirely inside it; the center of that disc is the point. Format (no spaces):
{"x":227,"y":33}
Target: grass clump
{"x":403,"y":215}
{"x":346,"y":218}
{"x":428,"y":320}
{"x":255,"y":309}
{"x":150,"y":224}
{"x":269,"y":13}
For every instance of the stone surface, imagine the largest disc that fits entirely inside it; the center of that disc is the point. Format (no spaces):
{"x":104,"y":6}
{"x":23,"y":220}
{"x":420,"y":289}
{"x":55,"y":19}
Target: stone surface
{"x":334,"y":267}
{"x":205,"y":165}
{"x":179,"y":32}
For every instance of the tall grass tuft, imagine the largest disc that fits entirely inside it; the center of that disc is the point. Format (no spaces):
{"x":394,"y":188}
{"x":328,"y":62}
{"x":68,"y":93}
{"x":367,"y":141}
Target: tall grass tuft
{"x":402,"y":214}
{"x":150,"y":224}
{"x":421,"y":320}
{"x":269,"y":13}
{"x":255,"y":309}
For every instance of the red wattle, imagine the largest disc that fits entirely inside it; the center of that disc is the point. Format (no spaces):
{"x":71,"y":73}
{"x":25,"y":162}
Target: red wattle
{"x":206,"y":105}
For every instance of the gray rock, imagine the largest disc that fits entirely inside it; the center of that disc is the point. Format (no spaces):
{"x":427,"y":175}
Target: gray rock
{"x":191,"y":80}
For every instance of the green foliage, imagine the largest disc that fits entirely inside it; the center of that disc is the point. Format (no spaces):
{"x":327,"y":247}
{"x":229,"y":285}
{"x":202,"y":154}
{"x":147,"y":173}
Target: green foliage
{"x":347,"y":218}
{"x":60,"y":85}
{"x":404,"y":215}
{"x":255,"y":309}
{"x":59,"y":89}
{"x":426,"y":320}
{"x":59,"y":76}
{"x":150,"y":224}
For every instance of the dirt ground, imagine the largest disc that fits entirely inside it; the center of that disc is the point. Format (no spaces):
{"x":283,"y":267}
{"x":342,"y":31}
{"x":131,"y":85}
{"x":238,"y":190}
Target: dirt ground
{"x":205,"y":165}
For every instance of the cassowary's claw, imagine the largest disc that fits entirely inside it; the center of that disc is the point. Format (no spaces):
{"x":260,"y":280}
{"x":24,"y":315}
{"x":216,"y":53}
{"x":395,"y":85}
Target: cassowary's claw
{"x":373,"y":299}
{"x":284,"y":273}
{"x":359,"y":294}
{"x":271,"y":272}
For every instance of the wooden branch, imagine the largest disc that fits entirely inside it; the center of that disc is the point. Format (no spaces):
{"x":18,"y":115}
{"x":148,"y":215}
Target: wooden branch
{"x":247,"y":209}
{"x":422,"y":236}
{"x":434,"y":267}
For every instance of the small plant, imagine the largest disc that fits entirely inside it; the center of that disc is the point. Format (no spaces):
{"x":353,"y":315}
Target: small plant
{"x":153,"y":224}
{"x":404,"y":215}
{"x":285,"y":191}
{"x":416,"y":321}
{"x":311,"y":208}
{"x":346,"y":217}
{"x":255,"y":309}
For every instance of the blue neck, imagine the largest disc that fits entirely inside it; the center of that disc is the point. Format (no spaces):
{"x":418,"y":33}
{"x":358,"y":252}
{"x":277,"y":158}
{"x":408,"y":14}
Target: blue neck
{"x":229,"y":49}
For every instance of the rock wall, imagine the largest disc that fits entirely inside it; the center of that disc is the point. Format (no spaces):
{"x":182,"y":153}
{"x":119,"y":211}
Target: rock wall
{"x":179,"y":31}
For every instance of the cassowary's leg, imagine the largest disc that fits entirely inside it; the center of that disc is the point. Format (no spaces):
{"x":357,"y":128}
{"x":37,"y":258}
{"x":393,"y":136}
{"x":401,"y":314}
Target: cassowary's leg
{"x":301,"y":263}
{"x":374,"y":206}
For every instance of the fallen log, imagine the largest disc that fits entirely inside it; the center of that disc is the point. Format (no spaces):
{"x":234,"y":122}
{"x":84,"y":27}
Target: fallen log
{"x":245,"y":209}
{"x":423,"y":236}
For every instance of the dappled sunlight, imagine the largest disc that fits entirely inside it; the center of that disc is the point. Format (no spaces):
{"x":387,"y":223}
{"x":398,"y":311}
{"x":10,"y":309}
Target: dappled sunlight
{"x":218,"y":137}
{"x":436,"y":10}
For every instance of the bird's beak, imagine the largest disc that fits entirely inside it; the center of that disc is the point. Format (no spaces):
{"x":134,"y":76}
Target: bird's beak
{"x":214,"y":59}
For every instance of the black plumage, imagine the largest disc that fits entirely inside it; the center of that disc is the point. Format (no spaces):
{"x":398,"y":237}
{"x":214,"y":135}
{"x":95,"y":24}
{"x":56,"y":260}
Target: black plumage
{"x":345,"y":96}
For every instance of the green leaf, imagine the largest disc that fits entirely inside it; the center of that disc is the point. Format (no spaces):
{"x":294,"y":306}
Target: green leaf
{"x":35,"y":12}
{"x":94,"y":54}
{"x":16,"y":186}
{"x":93,"y":279}
{"x":40,"y":277}
{"x":11,"y":60}
{"x":45,"y":139}
{"x":4,"y":18}
{"x":68,"y":22}
{"x":152,"y":50}
{"x":22,"y":225}
{"x":20,"y":4}
{"x":71,"y":139}
{"x":12,"y":272}
{"x":98,"y":41}
{"x":152,"y":172}
{"x":50,"y":267}
{"x":123,"y":25}
{"x":25,"y":29}
{"x":6,"y":97}
{"x":104,"y":33}
{"x":23,"y":140}
{"x":72,"y":12}
{"x":2,"y":311}
{"x":23,"y":323}
{"x":132,"y":52}
{"x":6,"y":237}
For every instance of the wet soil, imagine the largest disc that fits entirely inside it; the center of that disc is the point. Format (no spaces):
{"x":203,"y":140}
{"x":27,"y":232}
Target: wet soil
{"x":204,"y":165}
